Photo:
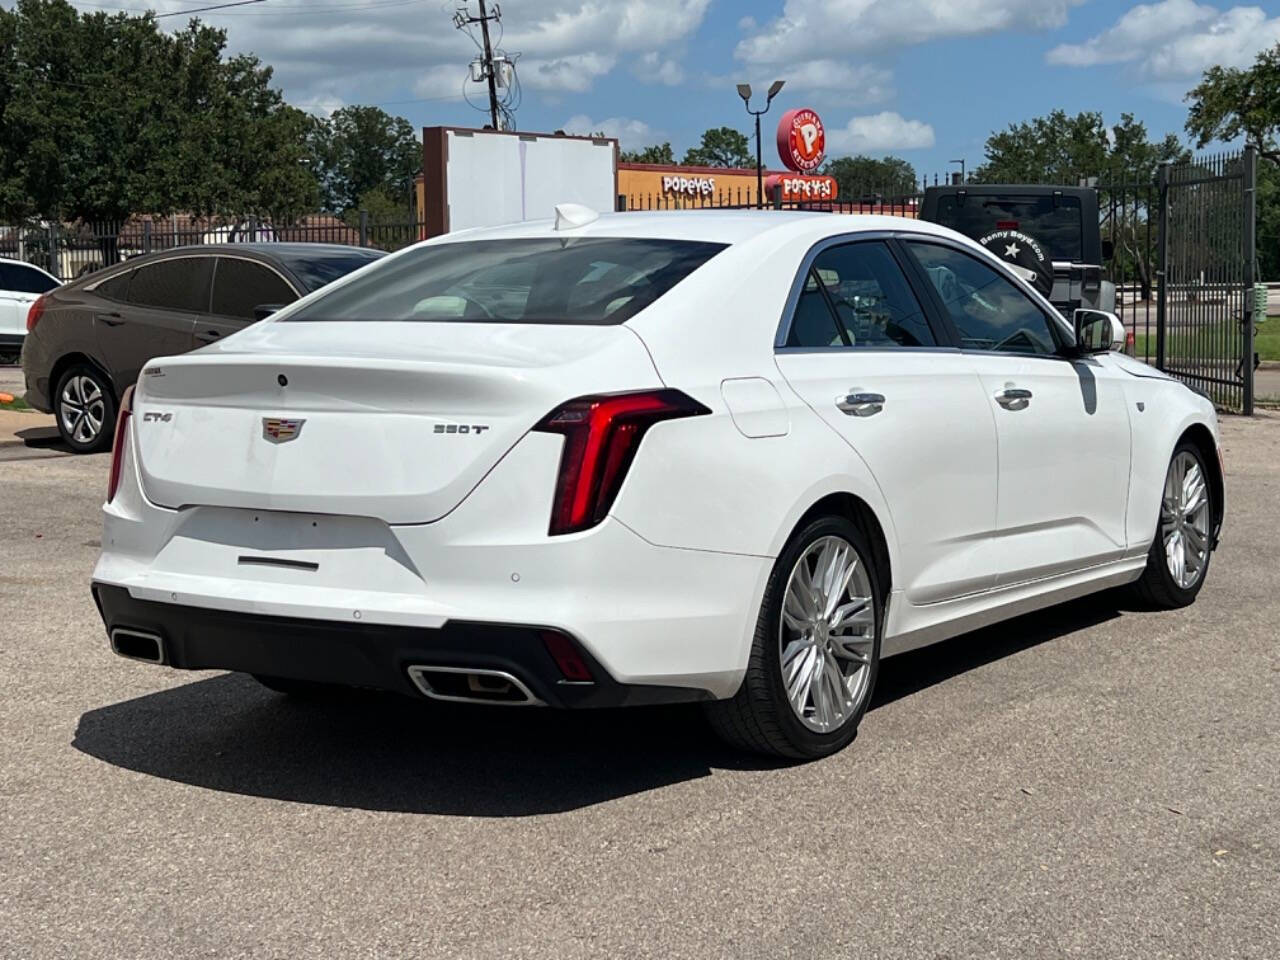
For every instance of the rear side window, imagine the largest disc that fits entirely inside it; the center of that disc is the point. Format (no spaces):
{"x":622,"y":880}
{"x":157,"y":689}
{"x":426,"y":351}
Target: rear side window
{"x":115,"y":288}
{"x":855,"y":295}
{"x":240,"y":285}
{"x":592,"y":281}
{"x":181,"y":284}
{"x":19,"y":279}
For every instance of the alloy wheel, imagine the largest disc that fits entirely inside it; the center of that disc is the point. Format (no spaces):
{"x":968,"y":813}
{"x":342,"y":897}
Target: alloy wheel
{"x":827,"y":634}
{"x":82,"y":409}
{"x":1184,"y":520}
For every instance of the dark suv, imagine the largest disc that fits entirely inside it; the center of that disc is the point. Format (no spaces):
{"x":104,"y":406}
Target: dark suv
{"x":1063,"y":221}
{"x":87,"y":341}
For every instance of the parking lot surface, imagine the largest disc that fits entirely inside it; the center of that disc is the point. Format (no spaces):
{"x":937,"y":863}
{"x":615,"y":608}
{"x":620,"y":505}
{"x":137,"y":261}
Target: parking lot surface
{"x":1093,"y":781}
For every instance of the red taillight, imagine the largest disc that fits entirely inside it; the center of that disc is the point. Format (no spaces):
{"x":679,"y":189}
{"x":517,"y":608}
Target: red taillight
{"x":567,"y":657}
{"x":34,"y":314}
{"x":601,"y":435}
{"x":117,"y":448}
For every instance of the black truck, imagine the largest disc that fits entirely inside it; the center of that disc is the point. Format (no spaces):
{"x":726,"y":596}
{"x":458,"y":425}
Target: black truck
{"x":1050,"y":234}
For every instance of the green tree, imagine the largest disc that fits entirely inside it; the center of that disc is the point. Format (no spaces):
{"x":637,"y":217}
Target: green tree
{"x":102,"y":116}
{"x":658,"y":153}
{"x":1061,"y":149}
{"x":362,"y":148}
{"x":720,"y":147}
{"x":862,"y":176}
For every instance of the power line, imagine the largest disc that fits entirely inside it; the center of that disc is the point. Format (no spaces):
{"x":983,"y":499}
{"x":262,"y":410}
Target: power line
{"x":216,"y":6}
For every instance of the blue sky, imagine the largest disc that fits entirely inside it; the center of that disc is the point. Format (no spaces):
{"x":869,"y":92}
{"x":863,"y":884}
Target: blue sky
{"x":925,"y":79}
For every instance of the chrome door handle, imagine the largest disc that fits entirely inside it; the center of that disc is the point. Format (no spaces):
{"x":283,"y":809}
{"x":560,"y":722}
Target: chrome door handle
{"x":1013,"y":398}
{"x":861,"y":404}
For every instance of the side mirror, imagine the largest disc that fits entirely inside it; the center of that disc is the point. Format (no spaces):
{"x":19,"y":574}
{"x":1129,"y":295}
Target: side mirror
{"x":264,"y":310}
{"x":1098,"y":331}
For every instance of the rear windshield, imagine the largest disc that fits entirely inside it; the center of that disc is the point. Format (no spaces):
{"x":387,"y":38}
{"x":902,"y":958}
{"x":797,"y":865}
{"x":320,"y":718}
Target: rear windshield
{"x":315,"y":271}
{"x":593,"y":281}
{"x":1058,"y":226}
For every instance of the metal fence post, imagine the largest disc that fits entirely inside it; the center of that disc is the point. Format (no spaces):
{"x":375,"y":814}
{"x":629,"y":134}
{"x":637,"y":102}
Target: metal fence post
{"x":1250,"y":253}
{"x":777,"y":196}
{"x":146,"y":236}
{"x":53,"y":250}
{"x":1162,"y":265}
{"x":364,"y":228}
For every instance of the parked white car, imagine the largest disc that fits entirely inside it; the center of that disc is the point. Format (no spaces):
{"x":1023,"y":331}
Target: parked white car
{"x":20,"y":286}
{"x":729,"y":457}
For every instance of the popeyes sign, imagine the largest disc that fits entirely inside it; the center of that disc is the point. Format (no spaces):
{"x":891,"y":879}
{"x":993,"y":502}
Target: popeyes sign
{"x":802,"y":141}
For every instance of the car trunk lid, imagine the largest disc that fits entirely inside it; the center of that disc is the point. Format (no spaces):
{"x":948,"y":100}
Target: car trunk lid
{"x":398,"y":421}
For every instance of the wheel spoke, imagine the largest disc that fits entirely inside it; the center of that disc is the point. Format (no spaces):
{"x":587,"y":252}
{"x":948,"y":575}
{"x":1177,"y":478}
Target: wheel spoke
{"x":856,"y":612}
{"x":801,"y":680}
{"x":857,"y":649}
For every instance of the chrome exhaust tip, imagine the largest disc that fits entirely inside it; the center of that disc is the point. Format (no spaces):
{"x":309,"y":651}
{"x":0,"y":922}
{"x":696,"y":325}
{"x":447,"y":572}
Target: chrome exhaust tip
{"x":472,"y":685}
{"x":137,"y":645}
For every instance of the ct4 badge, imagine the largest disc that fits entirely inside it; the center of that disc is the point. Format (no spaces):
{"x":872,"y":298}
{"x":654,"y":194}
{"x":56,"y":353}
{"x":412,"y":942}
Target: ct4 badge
{"x":276,"y":430}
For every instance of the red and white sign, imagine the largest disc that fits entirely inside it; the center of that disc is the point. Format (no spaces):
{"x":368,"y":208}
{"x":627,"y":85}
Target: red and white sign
{"x":800,"y":189}
{"x":802,"y":140}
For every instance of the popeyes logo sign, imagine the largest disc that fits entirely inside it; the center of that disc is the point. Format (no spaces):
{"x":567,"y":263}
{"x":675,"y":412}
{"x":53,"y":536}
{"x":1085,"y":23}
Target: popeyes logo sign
{"x":802,"y":140}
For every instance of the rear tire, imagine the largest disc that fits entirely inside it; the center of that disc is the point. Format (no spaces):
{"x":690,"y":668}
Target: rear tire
{"x":1178,"y":561}
{"x":813,"y":639}
{"x":84,"y":407}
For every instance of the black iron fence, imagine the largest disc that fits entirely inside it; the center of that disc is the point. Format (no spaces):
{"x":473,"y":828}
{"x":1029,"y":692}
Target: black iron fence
{"x":70,"y":250}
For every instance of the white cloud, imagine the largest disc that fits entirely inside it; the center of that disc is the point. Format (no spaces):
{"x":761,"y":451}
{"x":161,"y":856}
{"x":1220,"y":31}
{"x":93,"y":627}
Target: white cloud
{"x":632,"y":134}
{"x":814,"y":29}
{"x":1175,"y":40}
{"x":372,"y":52}
{"x":653,"y":67}
{"x":861,"y":82}
{"x":877,"y":132}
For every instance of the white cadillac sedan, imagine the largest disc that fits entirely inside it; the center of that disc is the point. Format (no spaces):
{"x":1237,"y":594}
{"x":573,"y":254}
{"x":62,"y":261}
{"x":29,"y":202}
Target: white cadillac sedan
{"x":728,"y":457}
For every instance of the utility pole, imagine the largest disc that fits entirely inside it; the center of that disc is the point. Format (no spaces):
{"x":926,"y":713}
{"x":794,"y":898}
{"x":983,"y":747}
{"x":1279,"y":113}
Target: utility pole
{"x":463,"y":18}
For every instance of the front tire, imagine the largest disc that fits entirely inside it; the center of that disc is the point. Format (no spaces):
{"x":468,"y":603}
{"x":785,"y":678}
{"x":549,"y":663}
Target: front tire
{"x":816,"y":652}
{"x":1180,"y":553}
{"x":85,"y":409}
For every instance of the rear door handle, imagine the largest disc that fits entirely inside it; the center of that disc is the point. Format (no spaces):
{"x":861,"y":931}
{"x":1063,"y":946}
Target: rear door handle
{"x":208,"y":336}
{"x":1014,"y":398}
{"x":858,"y":404}
{"x":110,"y":319}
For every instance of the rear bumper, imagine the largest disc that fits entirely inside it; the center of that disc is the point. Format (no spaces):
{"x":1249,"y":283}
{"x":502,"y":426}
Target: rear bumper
{"x":373,"y":656}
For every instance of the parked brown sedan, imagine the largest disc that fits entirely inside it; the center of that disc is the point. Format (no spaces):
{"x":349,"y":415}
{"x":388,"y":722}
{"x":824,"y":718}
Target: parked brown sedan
{"x":87,"y":341}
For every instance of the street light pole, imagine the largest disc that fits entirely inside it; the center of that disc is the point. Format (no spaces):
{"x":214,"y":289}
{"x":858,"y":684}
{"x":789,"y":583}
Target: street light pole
{"x":744,"y":91}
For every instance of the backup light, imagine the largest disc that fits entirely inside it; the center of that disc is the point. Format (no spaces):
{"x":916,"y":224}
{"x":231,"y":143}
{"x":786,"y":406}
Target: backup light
{"x":601,"y":436}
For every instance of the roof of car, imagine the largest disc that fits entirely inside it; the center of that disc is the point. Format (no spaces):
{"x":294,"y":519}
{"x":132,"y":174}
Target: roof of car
{"x":705,"y":225}
{"x":1033,"y":189}
{"x":292,"y":250}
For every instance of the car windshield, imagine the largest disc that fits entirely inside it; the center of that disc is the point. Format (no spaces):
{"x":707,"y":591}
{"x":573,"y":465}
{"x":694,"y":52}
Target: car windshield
{"x":315,"y":271}
{"x":1056,"y":222}
{"x":596,"y":281}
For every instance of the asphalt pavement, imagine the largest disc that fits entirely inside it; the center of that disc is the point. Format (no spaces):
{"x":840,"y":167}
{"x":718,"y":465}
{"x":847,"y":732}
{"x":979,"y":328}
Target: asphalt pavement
{"x":1094,"y":781}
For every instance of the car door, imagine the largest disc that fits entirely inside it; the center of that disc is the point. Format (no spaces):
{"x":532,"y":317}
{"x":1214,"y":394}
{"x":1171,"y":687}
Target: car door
{"x":1061,"y":420}
{"x":157,"y":316}
{"x":862,"y":353}
{"x":240,"y":287}
{"x":20,"y":286}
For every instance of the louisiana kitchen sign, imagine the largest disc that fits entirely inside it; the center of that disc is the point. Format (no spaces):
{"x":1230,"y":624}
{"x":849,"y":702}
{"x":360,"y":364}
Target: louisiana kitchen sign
{"x":802,"y":140}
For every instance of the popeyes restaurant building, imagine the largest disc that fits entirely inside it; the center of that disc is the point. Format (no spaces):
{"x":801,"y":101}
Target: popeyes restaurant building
{"x":801,"y":141}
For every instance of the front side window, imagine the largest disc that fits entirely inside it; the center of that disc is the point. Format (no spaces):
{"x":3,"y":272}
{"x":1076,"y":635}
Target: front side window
{"x":988,"y":311}
{"x":180,"y":284}
{"x":855,"y":295}
{"x":239,"y":286}
{"x":590,"y":280}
